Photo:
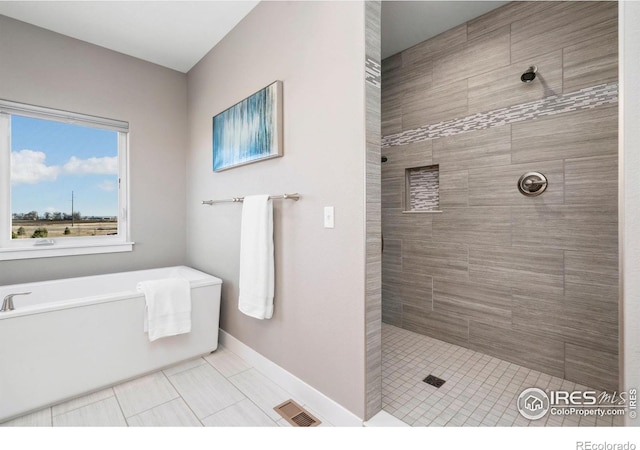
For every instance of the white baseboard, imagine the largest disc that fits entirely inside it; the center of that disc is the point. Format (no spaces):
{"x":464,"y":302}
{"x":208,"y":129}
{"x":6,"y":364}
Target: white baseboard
{"x":333,"y":412}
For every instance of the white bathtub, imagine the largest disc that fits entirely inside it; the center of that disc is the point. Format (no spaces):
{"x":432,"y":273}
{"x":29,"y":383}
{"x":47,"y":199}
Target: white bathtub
{"x":74,"y":336}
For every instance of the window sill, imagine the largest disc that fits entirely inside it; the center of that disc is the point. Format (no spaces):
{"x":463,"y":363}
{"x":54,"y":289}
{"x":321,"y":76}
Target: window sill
{"x":7,"y":254}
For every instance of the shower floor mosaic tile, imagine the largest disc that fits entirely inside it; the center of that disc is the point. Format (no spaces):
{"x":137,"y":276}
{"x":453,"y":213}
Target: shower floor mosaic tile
{"x":479,"y":390}
{"x":218,"y":390}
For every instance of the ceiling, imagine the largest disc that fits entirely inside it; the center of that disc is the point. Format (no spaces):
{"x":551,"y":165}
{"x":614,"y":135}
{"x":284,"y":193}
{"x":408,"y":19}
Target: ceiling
{"x":406,"y":23}
{"x":177,"y":34}
{"x":174,"y":34}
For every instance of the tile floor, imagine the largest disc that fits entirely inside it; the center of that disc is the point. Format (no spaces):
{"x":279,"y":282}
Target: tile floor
{"x":480,"y":390}
{"x":219,"y":390}
{"x":222,"y":390}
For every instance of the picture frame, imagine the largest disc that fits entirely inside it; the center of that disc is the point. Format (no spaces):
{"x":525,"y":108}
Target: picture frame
{"x":249,"y":131}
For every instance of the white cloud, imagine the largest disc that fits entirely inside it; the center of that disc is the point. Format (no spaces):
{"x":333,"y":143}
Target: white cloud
{"x":107,"y":185}
{"x":52,"y":209}
{"x":29,"y":167}
{"x":92,"y":166}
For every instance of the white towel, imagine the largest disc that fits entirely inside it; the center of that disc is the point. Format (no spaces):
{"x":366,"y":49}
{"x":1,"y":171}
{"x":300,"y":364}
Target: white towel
{"x":256,"y":257}
{"x":168,"y":310}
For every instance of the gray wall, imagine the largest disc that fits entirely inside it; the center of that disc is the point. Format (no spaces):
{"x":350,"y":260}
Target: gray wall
{"x":43,"y":68}
{"x":373,"y":293}
{"x":529,"y":280}
{"x":317,"y":50}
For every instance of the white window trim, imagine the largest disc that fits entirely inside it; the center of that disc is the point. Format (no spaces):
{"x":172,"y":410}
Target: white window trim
{"x":11,"y":249}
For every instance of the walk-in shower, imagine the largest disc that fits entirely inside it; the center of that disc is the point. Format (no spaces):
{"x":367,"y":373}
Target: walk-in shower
{"x":511,"y":282}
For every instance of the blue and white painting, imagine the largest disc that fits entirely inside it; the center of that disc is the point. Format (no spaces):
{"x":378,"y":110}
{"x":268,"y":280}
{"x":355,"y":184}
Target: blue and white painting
{"x":249,"y":131}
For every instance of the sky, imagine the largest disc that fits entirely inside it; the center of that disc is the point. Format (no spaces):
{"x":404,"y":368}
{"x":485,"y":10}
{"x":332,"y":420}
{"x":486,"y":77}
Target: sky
{"x":51,"y":159}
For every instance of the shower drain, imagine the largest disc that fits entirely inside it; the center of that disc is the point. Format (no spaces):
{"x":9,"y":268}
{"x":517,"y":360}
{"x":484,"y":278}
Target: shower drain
{"x":434,"y":381}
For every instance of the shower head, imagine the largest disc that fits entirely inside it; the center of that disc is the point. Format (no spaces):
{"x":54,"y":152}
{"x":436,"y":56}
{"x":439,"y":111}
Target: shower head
{"x":529,"y":75}
{"x":384,"y":159}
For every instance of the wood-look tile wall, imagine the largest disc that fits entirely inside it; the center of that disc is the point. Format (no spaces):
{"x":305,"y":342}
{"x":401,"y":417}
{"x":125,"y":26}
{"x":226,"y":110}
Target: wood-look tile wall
{"x":373,"y":292}
{"x":530,"y":280}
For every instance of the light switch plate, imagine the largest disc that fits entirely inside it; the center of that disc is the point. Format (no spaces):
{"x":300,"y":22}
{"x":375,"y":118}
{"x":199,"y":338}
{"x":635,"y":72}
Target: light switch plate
{"x":329,"y":217}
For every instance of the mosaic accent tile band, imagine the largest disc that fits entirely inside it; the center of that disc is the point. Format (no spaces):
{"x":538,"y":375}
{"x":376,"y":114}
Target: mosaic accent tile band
{"x":587,"y":98}
{"x":423,"y":188}
{"x":373,"y":72}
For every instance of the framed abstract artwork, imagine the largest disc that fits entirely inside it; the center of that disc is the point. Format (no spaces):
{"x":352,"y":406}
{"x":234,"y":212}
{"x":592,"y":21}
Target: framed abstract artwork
{"x":249,"y":131}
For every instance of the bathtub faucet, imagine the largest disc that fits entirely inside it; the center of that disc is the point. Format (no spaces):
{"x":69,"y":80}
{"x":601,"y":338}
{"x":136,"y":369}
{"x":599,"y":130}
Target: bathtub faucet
{"x":7,"y":303}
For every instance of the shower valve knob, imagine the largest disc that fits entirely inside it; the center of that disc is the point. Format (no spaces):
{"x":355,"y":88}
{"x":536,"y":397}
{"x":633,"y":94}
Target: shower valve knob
{"x":532,"y":184}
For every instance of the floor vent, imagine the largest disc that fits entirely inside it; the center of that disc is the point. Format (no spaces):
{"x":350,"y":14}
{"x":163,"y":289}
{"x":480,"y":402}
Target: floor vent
{"x":296,"y":415}
{"x":434,"y":381}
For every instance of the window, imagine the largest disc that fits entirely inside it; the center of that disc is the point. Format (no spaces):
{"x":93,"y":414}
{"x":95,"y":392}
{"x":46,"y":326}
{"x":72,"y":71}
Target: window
{"x":63,"y":189}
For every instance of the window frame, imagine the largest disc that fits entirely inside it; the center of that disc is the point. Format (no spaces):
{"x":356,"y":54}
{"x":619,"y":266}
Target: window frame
{"x":11,"y":249}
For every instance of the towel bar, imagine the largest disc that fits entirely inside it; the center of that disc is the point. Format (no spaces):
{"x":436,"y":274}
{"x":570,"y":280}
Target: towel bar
{"x":294,"y":197}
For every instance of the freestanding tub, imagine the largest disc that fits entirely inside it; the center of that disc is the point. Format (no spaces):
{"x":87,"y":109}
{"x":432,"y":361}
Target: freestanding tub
{"x":74,"y":336}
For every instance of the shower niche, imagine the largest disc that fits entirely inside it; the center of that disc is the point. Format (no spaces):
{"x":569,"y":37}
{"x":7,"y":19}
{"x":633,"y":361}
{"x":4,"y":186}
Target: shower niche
{"x":422,"y":189}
